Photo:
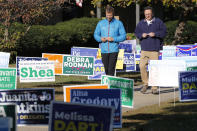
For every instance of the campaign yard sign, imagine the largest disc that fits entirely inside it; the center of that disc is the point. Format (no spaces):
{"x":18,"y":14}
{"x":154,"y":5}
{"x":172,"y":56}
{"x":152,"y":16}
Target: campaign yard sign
{"x":129,"y":63}
{"x":188,"y":86}
{"x":186,"y":50}
{"x":77,"y":65}
{"x":36,"y":71}
{"x":5,"y":124}
{"x":165,"y":72}
{"x":103,"y":97}
{"x":168,"y":51}
{"x":8,"y":110}
{"x":58,"y":59}
{"x":33,"y":105}
{"x":8,"y":78}
{"x":99,"y":70}
{"x":96,"y":53}
{"x":21,"y":58}
{"x":193,"y":68}
{"x":4,"y":59}
{"x":67,"y":89}
{"x":85,"y":51}
{"x":80,"y":117}
{"x":126,"y":46}
{"x":129,"y":46}
{"x":126,"y":85}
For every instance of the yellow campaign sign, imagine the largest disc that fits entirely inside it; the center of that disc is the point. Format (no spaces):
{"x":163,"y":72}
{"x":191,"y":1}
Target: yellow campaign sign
{"x":67,"y":89}
{"x":58,"y":58}
{"x":98,"y":56}
{"x":120,"y":60}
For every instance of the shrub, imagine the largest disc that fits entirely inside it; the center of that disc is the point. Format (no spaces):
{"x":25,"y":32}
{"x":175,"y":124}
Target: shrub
{"x":59,"y":38}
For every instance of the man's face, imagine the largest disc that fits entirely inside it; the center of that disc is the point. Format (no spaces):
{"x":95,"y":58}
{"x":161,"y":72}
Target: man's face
{"x":109,"y":16}
{"x":148,"y":14}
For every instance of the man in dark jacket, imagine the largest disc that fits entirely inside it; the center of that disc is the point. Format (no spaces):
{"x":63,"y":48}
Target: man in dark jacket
{"x":150,"y":31}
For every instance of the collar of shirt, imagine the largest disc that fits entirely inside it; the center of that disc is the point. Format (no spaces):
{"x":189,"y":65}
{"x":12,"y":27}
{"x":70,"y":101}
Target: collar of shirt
{"x":149,"y":21}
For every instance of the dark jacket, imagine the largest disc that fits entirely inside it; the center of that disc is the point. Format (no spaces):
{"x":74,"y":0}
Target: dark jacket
{"x":151,"y":43}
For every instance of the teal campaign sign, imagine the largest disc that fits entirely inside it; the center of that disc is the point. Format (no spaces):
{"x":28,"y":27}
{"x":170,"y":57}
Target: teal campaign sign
{"x":126,"y":85}
{"x":7,"y":78}
{"x":78,"y":65}
{"x":193,"y":68}
{"x":8,"y":110}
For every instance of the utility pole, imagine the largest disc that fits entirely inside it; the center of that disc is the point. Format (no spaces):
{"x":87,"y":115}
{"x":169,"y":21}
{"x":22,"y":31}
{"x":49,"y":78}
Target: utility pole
{"x":137,"y":17}
{"x":137,"y":13}
{"x":98,"y":10}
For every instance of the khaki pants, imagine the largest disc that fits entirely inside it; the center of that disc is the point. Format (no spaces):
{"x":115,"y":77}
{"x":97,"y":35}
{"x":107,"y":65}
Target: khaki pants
{"x":144,"y":59}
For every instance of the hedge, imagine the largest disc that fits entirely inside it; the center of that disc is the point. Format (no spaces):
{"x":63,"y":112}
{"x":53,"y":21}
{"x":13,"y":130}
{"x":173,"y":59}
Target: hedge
{"x":58,"y":38}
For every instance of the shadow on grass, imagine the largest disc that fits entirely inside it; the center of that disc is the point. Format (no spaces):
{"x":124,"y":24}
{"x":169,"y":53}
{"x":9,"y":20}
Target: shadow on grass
{"x":60,"y":84}
{"x":130,"y":75}
{"x":179,"y":118}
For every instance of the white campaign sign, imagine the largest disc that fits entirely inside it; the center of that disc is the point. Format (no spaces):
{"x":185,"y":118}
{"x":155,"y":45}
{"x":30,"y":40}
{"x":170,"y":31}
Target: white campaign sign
{"x":4,"y":59}
{"x":165,"y":72}
{"x":36,"y":71}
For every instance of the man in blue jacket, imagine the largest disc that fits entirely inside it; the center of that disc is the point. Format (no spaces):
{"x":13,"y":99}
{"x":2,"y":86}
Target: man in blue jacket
{"x":150,"y":31}
{"x":109,"y":32}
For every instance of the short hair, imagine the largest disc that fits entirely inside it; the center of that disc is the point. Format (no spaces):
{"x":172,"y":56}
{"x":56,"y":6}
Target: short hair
{"x":149,"y":8}
{"x":109,"y":9}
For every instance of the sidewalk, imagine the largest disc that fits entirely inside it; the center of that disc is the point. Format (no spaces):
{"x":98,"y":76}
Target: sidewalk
{"x":140,"y":100}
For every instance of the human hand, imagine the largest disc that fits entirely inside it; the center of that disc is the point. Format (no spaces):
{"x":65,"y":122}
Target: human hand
{"x":103,"y":39}
{"x":110,"y":39}
{"x":144,"y":35}
{"x":151,"y":34}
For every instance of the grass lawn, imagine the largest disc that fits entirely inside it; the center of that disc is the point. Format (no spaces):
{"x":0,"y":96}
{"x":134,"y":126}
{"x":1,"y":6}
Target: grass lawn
{"x":167,"y":117}
{"x":182,"y":117}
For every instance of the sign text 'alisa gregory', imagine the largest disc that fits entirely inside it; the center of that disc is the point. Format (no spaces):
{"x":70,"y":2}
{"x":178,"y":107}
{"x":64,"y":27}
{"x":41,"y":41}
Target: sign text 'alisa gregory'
{"x":36,"y":71}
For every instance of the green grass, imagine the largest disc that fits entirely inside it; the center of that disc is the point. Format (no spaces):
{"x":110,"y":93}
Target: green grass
{"x":167,"y":117}
{"x":182,"y":117}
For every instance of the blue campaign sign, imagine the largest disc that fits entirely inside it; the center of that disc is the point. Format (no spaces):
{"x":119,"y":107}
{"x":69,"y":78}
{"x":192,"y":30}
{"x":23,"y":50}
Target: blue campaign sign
{"x":33,"y":105}
{"x":4,"y":124}
{"x":183,"y":50}
{"x":18,"y":59}
{"x":168,"y":51}
{"x":188,"y":86}
{"x":129,"y":63}
{"x":80,"y":117}
{"x":84,"y":51}
{"x":126,"y":46}
{"x":99,"y":70}
{"x":194,"y":50}
{"x":98,"y":65}
{"x":137,"y":62}
{"x":103,"y":97}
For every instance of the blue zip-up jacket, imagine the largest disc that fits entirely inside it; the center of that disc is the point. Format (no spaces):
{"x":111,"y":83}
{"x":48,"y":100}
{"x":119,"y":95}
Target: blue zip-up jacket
{"x":151,"y":43}
{"x":114,"y":29}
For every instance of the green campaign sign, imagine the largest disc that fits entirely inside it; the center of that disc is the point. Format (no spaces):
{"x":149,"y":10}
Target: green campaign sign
{"x":78,"y":65}
{"x":126,"y":85}
{"x":7,"y":78}
{"x":9,"y":111}
{"x":193,"y":68}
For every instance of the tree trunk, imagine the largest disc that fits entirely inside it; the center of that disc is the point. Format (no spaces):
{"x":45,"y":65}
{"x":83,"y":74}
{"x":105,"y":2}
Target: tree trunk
{"x":187,"y":7}
{"x":6,"y":34}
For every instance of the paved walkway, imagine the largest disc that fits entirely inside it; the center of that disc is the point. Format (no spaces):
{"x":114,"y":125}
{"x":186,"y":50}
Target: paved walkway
{"x":140,"y":100}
